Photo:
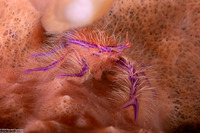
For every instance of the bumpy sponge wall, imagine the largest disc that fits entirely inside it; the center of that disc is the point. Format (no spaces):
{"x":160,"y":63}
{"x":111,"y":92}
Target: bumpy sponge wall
{"x":20,"y":30}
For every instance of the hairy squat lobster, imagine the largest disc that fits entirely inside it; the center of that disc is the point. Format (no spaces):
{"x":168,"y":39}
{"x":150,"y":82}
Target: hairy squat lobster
{"x":85,"y":50}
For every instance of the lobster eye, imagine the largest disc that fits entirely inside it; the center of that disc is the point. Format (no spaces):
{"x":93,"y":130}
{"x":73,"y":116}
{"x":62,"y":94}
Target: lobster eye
{"x":128,"y":44}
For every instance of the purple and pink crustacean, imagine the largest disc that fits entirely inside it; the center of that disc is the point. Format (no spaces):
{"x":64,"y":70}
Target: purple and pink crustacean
{"x":98,"y":46}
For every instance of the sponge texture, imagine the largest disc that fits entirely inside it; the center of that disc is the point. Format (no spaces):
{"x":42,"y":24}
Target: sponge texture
{"x":20,"y":30}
